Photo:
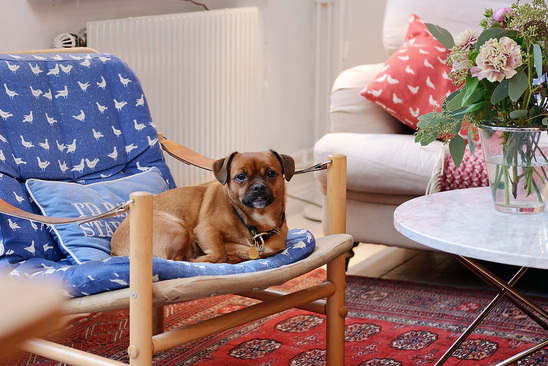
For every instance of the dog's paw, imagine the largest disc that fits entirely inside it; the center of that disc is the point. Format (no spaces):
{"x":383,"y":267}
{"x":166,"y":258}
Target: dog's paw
{"x":209,"y":258}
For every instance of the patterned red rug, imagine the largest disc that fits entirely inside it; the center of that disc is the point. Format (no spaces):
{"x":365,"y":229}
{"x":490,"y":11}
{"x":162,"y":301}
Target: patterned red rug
{"x":390,"y":323}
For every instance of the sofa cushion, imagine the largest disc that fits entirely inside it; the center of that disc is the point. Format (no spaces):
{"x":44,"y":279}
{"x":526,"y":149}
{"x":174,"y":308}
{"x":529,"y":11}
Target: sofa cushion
{"x":89,"y":241}
{"x":69,"y":125}
{"x":383,"y":163}
{"x":470,"y":174}
{"x":350,"y":112}
{"x":453,"y":15}
{"x":414,"y":80}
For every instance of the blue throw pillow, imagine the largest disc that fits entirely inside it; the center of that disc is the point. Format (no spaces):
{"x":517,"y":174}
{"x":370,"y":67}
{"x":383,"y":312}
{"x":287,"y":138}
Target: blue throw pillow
{"x":90,"y":241}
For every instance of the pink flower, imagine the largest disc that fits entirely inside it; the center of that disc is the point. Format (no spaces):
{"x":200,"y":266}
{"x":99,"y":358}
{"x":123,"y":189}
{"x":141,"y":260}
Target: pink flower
{"x":466,"y":39}
{"x":497,"y":60}
{"x":499,"y":15}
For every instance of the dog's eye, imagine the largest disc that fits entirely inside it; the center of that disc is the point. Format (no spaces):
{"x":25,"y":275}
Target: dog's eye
{"x":271,"y":174}
{"x":240,"y":177}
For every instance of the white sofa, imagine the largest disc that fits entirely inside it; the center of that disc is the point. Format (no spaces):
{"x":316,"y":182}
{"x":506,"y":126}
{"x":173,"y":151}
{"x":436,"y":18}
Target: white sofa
{"x":385,"y":166}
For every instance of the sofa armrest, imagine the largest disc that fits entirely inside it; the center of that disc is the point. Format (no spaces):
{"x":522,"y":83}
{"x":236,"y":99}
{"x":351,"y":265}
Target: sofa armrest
{"x":351,"y":112}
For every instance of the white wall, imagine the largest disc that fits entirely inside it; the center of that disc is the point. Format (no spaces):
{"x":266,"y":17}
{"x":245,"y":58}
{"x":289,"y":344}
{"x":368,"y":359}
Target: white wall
{"x":362,"y":27}
{"x":288,"y":109}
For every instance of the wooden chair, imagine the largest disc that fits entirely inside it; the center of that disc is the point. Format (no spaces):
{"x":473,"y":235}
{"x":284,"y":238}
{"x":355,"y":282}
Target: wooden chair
{"x":146,"y":298}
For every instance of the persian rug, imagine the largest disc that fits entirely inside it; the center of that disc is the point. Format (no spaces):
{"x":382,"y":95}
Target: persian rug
{"x":390,"y":323}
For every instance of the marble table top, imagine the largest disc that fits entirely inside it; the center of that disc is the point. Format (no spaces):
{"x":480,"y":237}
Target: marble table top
{"x":465,"y":222}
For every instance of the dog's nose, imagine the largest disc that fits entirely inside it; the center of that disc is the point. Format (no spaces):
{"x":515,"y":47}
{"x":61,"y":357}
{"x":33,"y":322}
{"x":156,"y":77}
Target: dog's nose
{"x":258,"y":188}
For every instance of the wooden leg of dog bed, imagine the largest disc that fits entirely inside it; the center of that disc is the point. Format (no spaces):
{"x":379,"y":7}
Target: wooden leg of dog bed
{"x":157,"y":320}
{"x":140,"y":280}
{"x":336,"y":224}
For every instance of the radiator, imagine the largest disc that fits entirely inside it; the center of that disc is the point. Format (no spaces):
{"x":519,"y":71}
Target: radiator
{"x":201,"y":73}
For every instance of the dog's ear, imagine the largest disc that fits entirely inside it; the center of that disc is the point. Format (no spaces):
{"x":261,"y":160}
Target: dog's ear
{"x":287,"y":163}
{"x":221,"y":168}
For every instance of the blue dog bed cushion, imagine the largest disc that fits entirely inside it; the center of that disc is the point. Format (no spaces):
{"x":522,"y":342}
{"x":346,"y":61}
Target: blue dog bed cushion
{"x":113,"y":273}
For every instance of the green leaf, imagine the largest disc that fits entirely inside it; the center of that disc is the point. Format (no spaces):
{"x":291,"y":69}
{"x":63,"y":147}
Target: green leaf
{"x":471,"y":141}
{"x":476,"y":106}
{"x":468,"y":90}
{"x":460,"y":113}
{"x":485,"y":112}
{"x":488,"y":34}
{"x":441,"y":34}
{"x":537,"y":56}
{"x":425,"y":119}
{"x":456,"y":148}
{"x":545,"y":121}
{"x":518,"y":113}
{"x":455,"y":102}
{"x":517,"y":85}
{"x":500,"y":92}
{"x":511,"y":33}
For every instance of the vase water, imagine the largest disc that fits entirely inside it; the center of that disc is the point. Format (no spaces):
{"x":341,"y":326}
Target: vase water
{"x":517,"y":167}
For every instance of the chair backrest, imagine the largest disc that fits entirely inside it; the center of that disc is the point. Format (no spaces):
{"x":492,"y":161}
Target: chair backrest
{"x":67,"y":117}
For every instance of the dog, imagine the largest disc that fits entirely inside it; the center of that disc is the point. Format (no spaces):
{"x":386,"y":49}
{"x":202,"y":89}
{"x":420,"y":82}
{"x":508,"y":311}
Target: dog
{"x":239,"y":217}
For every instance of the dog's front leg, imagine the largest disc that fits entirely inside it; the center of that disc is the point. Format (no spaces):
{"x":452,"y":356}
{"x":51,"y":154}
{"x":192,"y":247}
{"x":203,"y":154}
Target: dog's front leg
{"x":211,"y":244}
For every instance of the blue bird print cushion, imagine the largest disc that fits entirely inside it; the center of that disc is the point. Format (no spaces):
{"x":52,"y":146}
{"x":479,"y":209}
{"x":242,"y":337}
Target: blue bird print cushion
{"x":89,"y":241}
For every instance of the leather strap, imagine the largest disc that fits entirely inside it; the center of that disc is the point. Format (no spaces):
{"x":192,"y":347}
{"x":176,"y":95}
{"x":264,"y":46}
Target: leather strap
{"x":191,"y":157}
{"x":174,"y":149}
{"x":179,"y":152}
{"x":184,"y":154}
{"x":11,"y":210}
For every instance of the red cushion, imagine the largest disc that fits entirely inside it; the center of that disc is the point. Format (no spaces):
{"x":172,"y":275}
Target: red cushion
{"x":471,"y":172}
{"x":414,"y":80}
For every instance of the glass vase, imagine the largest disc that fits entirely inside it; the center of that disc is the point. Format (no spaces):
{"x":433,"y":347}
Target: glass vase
{"x":517,"y":167}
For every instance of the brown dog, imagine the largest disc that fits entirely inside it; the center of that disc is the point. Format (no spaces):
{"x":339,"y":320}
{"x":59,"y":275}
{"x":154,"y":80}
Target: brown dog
{"x":240,"y":217}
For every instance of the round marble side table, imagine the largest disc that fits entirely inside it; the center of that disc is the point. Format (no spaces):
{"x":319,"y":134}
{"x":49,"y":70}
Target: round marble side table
{"x":465,"y":224}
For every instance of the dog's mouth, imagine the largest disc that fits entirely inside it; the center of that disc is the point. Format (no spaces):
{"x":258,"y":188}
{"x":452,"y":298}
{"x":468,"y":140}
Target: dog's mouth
{"x":259,"y":195}
{"x":257,"y":202}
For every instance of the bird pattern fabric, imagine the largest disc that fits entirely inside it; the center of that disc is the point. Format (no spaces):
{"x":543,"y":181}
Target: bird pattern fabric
{"x":415,"y":79}
{"x":78,"y":118}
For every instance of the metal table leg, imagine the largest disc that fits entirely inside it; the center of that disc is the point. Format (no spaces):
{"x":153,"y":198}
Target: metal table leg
{"x":478,"y":320}
{"x":515,"y":297}
{"x":504,"y":290}
{"x":523,"y":354}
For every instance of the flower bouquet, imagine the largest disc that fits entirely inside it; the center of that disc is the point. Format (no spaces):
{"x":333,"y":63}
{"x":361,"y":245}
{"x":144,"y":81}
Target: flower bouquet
{"x":501,"y":74}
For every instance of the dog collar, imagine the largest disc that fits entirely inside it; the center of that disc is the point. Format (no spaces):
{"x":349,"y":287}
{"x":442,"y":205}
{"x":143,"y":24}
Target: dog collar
{"x":258,"y":246}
